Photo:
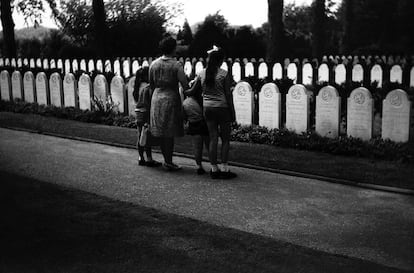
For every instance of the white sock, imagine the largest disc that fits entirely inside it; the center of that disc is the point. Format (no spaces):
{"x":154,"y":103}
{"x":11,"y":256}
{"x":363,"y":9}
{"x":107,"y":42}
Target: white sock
{"x":225,"y":167}
{"x":214,"y":168}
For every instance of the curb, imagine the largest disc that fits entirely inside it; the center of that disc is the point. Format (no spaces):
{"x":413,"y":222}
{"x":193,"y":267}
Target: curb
{"x":237,"y":164}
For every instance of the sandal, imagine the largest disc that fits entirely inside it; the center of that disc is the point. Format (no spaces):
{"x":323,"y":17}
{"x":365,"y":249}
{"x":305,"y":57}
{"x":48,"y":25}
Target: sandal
{"x":142,"y":162}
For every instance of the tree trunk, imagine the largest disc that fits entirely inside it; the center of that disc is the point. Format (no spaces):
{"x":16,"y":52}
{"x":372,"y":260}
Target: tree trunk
{"x":276,"y":31}
{"x":8,"y":29}
{"x":318,"y":28}
{"x":100,"y":26}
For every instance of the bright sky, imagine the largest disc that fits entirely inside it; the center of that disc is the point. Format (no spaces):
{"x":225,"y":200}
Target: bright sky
{"x":237,"y":12}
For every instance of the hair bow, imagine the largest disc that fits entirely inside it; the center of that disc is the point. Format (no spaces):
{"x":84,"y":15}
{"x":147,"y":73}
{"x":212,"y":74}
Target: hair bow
{"x":215,"y":48}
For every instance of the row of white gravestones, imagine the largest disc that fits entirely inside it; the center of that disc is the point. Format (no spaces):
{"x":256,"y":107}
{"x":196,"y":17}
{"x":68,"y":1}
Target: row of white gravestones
{"x":68,"y":92}
{"x":395,"y":117}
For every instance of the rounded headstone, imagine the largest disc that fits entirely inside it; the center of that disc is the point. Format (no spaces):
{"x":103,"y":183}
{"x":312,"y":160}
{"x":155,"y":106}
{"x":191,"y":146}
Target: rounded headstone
{"x":360,"y":114}
{"x":243,"y":103}
{"x":270,"y":106}
{"x":396,"y":116}
{"x":297,"y":109}
{"x":328,"y":112}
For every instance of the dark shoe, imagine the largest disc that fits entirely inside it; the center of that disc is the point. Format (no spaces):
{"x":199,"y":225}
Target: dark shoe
{"x":215,"y":175}
{"x":227,"y":175}
{"x":153,"y":163}
{"x":201,"y":171}
{"x":171,"y":167}
{"x":142,"y":162}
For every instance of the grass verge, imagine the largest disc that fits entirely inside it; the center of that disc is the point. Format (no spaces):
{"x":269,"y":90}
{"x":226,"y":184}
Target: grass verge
{"x":48,"y":228}
{"x":360,"y":170}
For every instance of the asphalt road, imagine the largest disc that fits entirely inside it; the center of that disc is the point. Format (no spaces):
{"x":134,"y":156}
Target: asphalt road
{"x":368,"y":224}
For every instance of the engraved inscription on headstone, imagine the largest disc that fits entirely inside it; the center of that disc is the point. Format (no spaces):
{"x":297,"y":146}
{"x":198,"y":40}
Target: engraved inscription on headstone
{"x":270,"y":106}
{"x":100,"y":87}
{"x":29,"y":87}
{"x":328,"y":112}
{"x":55,"y":85}
{"x":297,"y":109}
{"x":396,"y":116}
{"x":17,"y":85}
{"x":69,"y":90}
{"x":360,"y":114}
{"x":42,"y":88}
{"x":85,"y":92}
{"x":243,"y":103}
{"x":5,"y":85}
{"x":117,"y":93}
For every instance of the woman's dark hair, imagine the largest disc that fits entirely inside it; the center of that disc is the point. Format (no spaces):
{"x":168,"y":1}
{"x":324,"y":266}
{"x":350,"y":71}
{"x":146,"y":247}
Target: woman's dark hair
{"x":215,"y":60}
{"x":141,"y":76}
{"x":167,"y":44}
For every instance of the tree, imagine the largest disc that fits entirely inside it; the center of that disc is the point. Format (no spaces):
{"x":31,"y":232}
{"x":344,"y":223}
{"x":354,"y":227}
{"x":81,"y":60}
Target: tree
{"x":276,"y":31}
{"x":318,"y":27}
{"x":185,"y":35}
{"x":211,"y":32}
{"x":8,"y":28}
{"x":100,"y":28}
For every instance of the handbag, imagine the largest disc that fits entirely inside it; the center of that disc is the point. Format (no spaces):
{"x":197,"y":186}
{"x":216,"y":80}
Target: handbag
{"x":143,"y":140}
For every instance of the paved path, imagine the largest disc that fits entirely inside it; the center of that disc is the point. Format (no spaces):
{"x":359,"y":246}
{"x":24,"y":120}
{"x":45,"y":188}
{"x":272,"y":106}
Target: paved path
{"x":368,"y":224}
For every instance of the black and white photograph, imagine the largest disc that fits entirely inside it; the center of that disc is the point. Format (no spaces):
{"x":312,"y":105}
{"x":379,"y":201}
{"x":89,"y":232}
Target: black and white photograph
{"x":191,"y":136}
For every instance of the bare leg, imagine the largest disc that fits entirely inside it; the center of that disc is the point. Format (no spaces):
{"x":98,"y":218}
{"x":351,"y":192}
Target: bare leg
{"x":225,"y":141}
{"x":139,"y":147}
{"x":212,"y":153}
{"x":167,"y":149}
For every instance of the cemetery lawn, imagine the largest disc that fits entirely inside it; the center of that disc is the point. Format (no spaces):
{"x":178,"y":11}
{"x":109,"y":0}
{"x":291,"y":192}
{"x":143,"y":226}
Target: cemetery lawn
{"x":352,"y":169}
{"x":49,"y":228}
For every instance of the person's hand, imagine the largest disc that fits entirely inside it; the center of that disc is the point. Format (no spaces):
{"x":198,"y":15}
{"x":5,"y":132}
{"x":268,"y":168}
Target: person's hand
{"x":191,"y":83}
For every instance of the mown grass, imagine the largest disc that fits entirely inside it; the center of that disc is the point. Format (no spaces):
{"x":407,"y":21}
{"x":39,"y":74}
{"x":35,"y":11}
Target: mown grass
{"x":48,"y":228}
{"x":356,"y":169}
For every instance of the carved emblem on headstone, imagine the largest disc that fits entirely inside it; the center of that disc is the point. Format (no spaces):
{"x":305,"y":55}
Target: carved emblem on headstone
{"x":69,"y":80}
{"x":3,"y":76}
{"x":241,"y":91}
{"x":28,"y":77}
{"x":15,"y":77}
{"x":40,"y":78}
{"x":326,"y":95}
{"x":296,"y":95}
{"x":359,"y":98}
{"x":396,"y":100}
{"x":84,"y":81}
{"x":268,"y":93}
{"x":54,"y":79}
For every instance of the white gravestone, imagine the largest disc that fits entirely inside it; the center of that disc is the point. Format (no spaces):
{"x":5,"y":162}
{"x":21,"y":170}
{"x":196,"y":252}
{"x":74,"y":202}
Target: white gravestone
{"x":236,"y":71}
{"x":32,"y":63}
{"x":26,"y":62}
{"x":13,"y":62}
{"x":60,"y":64}
{"x":199,"y":67}
{"x":131,"y":102}
{"x":67,"y":66}
{"x":125,"y":68}
{"x":249,"y":69}
{"x":7,"y":62}
{"x":360,"y":114}
{"x":42,"y":88}
{"x":99,"y":66}
{"x":328,"y":112}
{"x":83,"y":65}
{"x":188,"y":68}
{"x":340,"y":74}
{"x":69,"y":90}
{"x":277,"y":71}
{"x":263,"y":71}
{"x":396,"y":74}
{"x":243,"y":103}
{"x":376,"y":74}
{"x":19,"y":62}
{"x":145,"y":63}
{"x":75,"y":66}
{"x":297,"y":109}
{"x":55,"y":85}
{"x":17,"y":85}
{"x":5,"y":85}
{"x":108,"y":66}
{"x":323,"y":73}
{"x":52,"y":64}
{"x":396,"y":116}
{"x":135,"y":67}
{"x":307,"y":74}
{"x":270,"y":106}
{"x":1,"y":62}
{"x":117,"y":68}
{"x":29,"y":87}
{"x":100,"y":88}
{"x":91,"y":66}
{"x":292,"y":72}
{"x":45,"y":64}
{"x":224,"y":66}
{"x":85,"y":92}
{"x":357,"y":73}
{"x":118,"y":93}
{"x":38,"y":63}
{"x":412,"y":77}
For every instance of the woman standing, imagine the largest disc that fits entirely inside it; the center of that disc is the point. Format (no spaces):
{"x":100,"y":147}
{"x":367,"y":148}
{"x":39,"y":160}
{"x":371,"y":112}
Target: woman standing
{"x":166,"y":120}
{"x":218,"y":110}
